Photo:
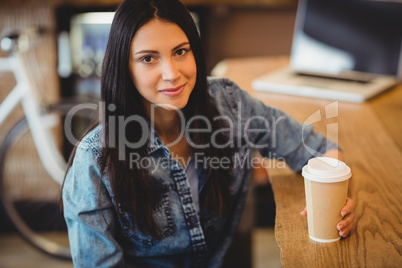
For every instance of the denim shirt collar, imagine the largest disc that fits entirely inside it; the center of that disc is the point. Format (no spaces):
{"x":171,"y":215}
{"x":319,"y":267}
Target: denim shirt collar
{"x":155,"y":141}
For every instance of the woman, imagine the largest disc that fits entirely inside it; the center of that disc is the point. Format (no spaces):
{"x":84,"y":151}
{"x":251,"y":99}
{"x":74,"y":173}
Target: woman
{"x":162,"y":181}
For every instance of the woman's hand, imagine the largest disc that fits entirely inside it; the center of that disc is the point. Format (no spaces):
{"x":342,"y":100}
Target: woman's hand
{"x":348,"y":222}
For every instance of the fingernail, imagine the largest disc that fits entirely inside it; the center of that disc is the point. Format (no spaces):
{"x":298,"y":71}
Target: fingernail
{"x":339,"y":227}
{"x":343,"y":213}
{"x":340,"y":233}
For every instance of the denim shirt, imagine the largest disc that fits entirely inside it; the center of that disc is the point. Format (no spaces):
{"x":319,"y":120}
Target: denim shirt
{"x":101,"y":237}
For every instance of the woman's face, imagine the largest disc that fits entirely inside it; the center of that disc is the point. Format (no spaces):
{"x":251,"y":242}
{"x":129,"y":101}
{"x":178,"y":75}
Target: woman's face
{"x":162,"y":64}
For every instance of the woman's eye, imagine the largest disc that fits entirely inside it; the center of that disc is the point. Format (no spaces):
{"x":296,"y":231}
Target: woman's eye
{"x":147,"y":59}
{"x":181,"y":52}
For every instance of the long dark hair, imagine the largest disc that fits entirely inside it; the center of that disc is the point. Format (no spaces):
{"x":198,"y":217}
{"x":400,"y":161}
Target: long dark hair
{"x":131,"y":186}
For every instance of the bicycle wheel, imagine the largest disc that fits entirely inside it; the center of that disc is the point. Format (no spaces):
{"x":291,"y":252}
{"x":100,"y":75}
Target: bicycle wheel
{"x":29,"y":196}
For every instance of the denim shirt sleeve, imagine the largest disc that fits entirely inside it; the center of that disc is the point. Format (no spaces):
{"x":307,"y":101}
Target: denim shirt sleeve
{"x":267,"y":129}
{"x":89,"y":215}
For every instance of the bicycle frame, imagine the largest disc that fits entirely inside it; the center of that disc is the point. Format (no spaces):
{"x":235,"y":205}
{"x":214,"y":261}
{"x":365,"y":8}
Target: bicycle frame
{"x":24,"y":93}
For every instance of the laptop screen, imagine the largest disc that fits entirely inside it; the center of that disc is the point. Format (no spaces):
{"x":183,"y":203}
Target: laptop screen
{"x":348,"y":38}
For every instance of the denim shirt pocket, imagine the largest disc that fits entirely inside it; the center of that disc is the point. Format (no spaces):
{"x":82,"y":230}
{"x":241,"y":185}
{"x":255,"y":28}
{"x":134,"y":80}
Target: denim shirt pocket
{"x":161,"y":214}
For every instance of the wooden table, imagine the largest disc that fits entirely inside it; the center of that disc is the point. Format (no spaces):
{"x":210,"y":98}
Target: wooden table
{"x":370,"y":135}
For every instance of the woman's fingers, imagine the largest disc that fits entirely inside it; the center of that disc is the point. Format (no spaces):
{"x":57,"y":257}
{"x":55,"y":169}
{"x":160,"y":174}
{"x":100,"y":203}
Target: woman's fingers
{"x":348,"y":208}
{"x":304,"y":212}
{"x":346,"y":225}
{"x":348,"y":221}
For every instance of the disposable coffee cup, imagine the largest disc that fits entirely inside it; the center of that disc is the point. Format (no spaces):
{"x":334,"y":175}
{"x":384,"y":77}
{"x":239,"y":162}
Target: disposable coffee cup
{"x":326,"y":184}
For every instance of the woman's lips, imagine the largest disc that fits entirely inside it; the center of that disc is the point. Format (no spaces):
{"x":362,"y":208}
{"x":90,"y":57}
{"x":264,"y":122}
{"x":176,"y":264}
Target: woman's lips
{"x":172,"y":91}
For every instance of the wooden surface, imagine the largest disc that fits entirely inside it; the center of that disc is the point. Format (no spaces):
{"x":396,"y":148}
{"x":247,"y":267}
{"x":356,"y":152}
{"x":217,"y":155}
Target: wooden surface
{"x":370,"y":135}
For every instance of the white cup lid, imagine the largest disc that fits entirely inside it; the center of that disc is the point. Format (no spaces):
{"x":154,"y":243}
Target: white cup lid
{"x":325,"y":169}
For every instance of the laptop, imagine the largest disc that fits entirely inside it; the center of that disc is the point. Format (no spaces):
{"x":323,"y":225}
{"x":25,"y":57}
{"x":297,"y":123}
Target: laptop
{"x":348,"y":50}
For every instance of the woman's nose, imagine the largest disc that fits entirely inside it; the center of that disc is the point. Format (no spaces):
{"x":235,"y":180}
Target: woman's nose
{"x":170,"y":71}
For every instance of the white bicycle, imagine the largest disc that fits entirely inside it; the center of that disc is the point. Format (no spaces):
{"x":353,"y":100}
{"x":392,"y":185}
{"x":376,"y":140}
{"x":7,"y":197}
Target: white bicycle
{"x":33,"y":153}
